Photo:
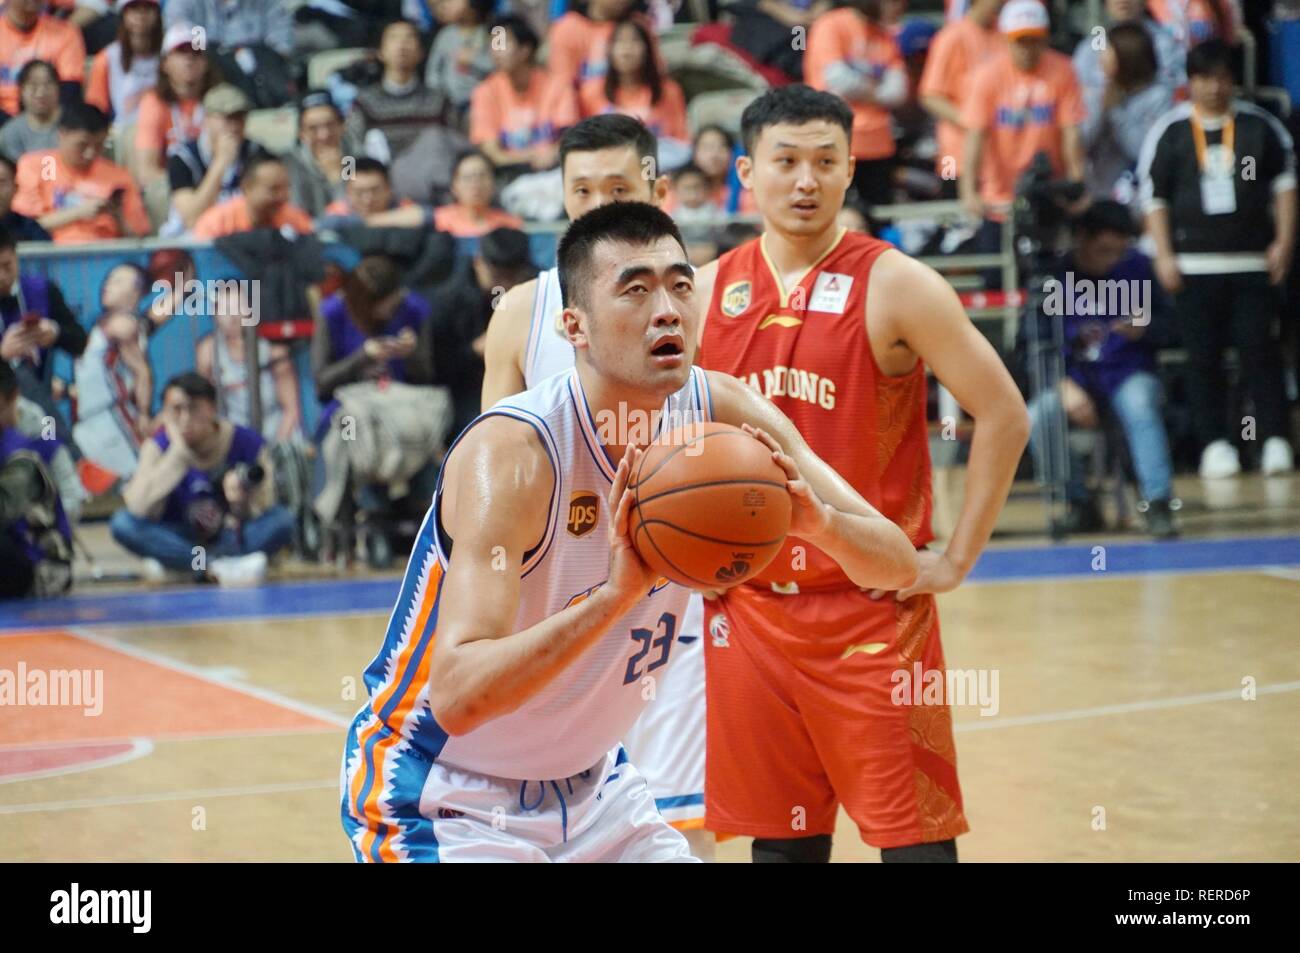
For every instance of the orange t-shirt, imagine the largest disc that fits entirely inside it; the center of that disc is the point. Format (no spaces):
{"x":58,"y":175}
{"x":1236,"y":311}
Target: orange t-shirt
{"x":845,"y":36}
{"x":664,"y":118}
{"x":957,"y":51}
{"x":1021,"y":114}
{"x":517,"y":121}
{"x":579,"y":48}
{"x":97,"y":86}
{"x":456,"y":220}
{"x":231,"y":216}
{"x":160,"y":125}
{"x":52,"y":40}
{"x":46,"y":184}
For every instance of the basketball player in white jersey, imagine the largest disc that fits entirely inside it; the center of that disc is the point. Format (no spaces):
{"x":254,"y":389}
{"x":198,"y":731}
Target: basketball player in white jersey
{"x":516,"y":656}
{"x":612,"y":158}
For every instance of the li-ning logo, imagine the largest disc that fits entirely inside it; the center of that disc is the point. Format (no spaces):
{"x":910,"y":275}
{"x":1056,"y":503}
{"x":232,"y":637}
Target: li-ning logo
{"x":583,"y":506}
{"x":103,"y":906}
{"x":719,"y":631}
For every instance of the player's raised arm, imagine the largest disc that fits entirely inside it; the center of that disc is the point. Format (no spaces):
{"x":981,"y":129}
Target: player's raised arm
{"x":919,"y":309}
{"x":494,"y":510}
{"x":507,"y":337}
{"x":828,"y":512}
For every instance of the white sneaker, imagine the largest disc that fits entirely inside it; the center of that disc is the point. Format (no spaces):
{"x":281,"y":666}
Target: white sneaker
{"x":151,"y":570}
{"x":1219,"y":461}
{"x":1277,"y":457}
{"x":231,"y":571}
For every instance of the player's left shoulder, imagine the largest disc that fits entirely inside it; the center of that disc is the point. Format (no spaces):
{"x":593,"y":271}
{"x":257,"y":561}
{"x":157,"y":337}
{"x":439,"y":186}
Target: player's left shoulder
{"x":903,"y":291}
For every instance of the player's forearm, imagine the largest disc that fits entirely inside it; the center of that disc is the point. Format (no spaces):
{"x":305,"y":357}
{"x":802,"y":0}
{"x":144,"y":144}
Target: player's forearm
{"x":873,"y":551}
{"x":486,"y":678}
{"x":995,"y":453}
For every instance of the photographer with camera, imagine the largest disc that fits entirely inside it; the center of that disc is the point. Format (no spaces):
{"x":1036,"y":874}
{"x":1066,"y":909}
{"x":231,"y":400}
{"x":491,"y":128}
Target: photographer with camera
{"x":201,"y":499}
{"x":1102,"y":294}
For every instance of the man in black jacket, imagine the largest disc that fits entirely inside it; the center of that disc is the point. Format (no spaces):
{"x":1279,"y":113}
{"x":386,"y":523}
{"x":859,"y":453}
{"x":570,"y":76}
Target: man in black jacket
{"x":451,"y":342}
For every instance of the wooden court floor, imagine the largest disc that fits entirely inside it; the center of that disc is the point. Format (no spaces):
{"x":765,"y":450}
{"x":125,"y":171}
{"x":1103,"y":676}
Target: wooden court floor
{"x":1122,"y":732}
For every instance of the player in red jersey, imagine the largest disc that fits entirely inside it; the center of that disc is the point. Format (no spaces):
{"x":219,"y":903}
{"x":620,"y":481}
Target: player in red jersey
{"x":804,"y":707}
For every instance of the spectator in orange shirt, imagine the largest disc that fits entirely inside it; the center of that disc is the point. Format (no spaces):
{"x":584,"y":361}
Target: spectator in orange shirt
{"x":73,"y":191}
{"x":172,"y":112}
{"x":578,"y":43}
{"x":370,"y":201}
{"x":714,"y":153}
{"x":516,"y":114}
{"x":852,"y":55}
{"x":37,"y":126}
{"x":127,"y":68}
{"x":1019,"y":105}
{"x":263,"y":204}
{"x":635,"y":85}
{"x":958,"y":50}
{"x":28,"y":34}
{"x":472,"y":214}
{"x":1195,"y":21}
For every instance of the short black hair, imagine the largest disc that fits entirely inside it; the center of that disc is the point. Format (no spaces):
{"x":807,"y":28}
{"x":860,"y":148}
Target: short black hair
{"x":467,"y":154}
{"x":689,"y":169}
{"x":635,"y":223}
{"x":82,"y":117}
{"x":506,"y":248}
{"x":609,"y":131}
{"x":795,"y":104}
{"x":32,"y":66}
{"x":193,"y":385}
{"x":255,"y":162}
{"x":1209,"y":57}
{"x":6,"y":239}
{"x":519,"y":28}
{"x":1106,"y":215}
{"x":367,"y":164}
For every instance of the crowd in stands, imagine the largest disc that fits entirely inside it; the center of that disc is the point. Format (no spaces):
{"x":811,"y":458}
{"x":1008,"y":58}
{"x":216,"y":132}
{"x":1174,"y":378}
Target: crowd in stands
{"x":157,"y":118}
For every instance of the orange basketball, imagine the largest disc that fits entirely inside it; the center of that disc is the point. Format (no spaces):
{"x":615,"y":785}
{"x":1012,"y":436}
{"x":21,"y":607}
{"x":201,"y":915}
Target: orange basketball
{"x":710,"y":507}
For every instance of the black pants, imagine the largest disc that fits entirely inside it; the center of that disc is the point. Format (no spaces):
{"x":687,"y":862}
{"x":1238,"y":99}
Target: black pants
{"x":1242,"y":310}
{"x":16,"y":572}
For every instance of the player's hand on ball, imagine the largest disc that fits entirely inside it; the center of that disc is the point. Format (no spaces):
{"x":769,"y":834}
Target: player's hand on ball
{"x":809,"y":516}
{"x":938,"y":574}
{"x":629,"y":576}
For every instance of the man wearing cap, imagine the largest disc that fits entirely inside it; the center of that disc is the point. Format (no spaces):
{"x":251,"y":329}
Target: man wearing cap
{"x":1020,"y":104}
{"x":450,"y":350}
{"x":206,"y":170}
{"x":27,"y":33}
{"x":316,"y":161}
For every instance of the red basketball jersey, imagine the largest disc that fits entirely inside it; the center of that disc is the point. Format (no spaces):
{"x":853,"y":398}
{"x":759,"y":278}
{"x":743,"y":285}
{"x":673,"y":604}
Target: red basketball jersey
{"x":808,"y":352}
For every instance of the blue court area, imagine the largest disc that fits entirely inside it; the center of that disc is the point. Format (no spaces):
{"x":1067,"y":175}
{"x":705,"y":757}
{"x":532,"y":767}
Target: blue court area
{"x":349,"y":596}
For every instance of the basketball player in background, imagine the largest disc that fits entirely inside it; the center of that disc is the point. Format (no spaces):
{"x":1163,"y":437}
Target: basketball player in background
{"x":603,"y":159}
{"x":836,"y":328}
{"x":509,"y":672}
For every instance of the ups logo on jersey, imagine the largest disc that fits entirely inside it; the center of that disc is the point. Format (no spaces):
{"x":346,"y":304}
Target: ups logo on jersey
{"x":583,"y":505}
{"x":735,"y":299}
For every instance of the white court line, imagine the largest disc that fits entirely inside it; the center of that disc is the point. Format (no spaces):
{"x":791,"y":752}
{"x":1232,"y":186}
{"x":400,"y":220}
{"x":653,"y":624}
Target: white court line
{"x":170,"y":736}
{"x":984,"y":725}
{"x":1280,"y":572}
{"x":139,"y":748}
{"x":264,"y":694}
{"x":987,"y":724}
{"x":83,"y":803}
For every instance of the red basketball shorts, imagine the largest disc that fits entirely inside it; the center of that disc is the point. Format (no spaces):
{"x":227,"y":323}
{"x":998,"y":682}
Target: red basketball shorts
{"x":805,"y":712}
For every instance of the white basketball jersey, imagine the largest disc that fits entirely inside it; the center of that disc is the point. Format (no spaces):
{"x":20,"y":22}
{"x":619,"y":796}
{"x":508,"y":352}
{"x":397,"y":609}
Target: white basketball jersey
{"x":575,"y":720}
{"x":548,"y":351}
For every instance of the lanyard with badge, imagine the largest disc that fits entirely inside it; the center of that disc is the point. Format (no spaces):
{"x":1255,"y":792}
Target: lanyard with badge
{"x":1217,"y":163}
